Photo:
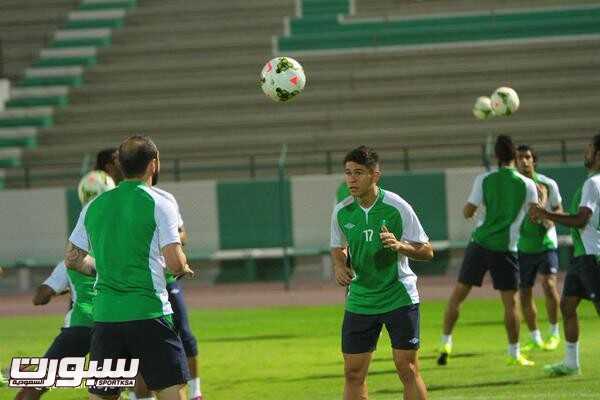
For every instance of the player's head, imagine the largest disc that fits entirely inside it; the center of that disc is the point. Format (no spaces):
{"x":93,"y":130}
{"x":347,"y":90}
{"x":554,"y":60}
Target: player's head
{"x":526,"y":160}
{"x":138,"y":158}
{"x":107,"y":160}
{"x":592,"y":154}
{"x":361,"y":168}
{"x":504,"y":150}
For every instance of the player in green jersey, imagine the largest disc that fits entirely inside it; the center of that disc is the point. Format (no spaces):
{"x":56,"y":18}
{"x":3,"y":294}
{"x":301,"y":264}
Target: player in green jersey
{"x":76,"y":333}
{"x":133,"y":232}
{"x":380,"y":231}
{"x":538,"y":253}
{"x":506,"y":196}
{"x":583,"y":276}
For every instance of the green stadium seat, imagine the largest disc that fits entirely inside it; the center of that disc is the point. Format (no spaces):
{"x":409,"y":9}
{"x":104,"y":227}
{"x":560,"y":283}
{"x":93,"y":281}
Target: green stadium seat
{"x":39,"y":96}
{"x":26,"y":117}
{"x":85,"y":56}
{"x":10,"y":157}
{"x":95,"y":19}
{"x":107,"y":4}
{"x":70,"y":76}
{"x":18,"y":137}
{"x":82,"y":37}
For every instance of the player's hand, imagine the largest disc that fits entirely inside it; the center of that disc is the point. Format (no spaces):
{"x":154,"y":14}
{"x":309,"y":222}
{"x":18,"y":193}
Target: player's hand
{"x":343,"y":275}
{"x":537,"y":213}
{"x":187,"y":272}
{"x":388,"y":239}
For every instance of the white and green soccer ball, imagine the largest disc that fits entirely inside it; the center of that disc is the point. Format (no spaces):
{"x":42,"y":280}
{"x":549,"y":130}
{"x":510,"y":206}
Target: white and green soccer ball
{"x":505,"y":101}
{"x":282,"y":79}
{"x":482,"y":109}
{"x":93,"y":184}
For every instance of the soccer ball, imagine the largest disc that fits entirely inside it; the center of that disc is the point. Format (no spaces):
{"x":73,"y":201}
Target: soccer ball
{"x":282,"y":79}
{"x":505,"y":101}
{"x":483,"y":108}
{"x":93,"y":184}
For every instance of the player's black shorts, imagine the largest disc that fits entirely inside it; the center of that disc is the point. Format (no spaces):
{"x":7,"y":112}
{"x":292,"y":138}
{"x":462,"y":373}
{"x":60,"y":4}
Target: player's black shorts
{"x":530,"y":265}
{"x":360,"y":332}
{"x":503,"y":267}
{"x":583,"y":279}
{"x":180,"y":319}
{"x":71,"y":342}
{"x":153,"y":341}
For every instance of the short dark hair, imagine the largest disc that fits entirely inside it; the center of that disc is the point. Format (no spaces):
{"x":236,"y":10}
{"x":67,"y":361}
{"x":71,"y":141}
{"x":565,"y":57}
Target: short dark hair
{"x":504,"y":149}
{"x":104,"y":157}
{"x":363,"y":155}
{"x":596,"y":142}
{"x":135,"y":153}
{"x":524,"y":148}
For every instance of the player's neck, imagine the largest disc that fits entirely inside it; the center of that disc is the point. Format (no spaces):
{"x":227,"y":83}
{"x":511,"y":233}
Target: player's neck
{"x":369,"y":198}
{"x":529,"y":174}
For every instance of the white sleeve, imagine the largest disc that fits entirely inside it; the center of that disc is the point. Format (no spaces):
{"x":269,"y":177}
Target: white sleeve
{"x":589,"y":195}
{"x":476,"y":196}
{"x":412,"y":230}
{"x":554,"y":198}
{"x":58,"y":279}
{"x":179,"y":217}
{"x":167,"y":222}
{"x":531,"y":196}
{"x":79,"y":236}
{"x":338,"y":239}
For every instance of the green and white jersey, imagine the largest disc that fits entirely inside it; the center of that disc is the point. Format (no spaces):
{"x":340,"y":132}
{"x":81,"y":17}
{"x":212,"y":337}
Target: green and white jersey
{"x":383,"y":280}
{"x":82,"y":294}
{"x":505,"y":196}
{"x":535,"y":238}
{"x":126,"y":228}
{"x":586,"y":241}
{"x":168,"y":274}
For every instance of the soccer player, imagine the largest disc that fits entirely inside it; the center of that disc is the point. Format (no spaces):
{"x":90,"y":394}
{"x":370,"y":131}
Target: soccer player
{"x":107,"y":160}
{"x":133,"y":232}
{"x":506,"y":196}
{"x":76,"y":334}
{"x":381,"y":232}
{"x":583,"y":276}
{"x":538,"y":253}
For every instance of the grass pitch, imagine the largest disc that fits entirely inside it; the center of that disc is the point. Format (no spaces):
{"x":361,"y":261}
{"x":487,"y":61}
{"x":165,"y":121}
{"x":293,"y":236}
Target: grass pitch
{"x":293,"y":353}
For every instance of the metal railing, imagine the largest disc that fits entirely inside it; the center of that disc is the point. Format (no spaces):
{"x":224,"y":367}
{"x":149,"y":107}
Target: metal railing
{"x":253,"y":166}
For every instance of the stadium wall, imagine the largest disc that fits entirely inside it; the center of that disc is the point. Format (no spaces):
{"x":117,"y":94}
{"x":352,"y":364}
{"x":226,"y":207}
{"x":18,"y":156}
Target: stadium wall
{"x":247,"y":214}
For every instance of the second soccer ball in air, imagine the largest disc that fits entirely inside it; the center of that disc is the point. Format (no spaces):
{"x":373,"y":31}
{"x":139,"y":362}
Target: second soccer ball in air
{"x":505,"y":101}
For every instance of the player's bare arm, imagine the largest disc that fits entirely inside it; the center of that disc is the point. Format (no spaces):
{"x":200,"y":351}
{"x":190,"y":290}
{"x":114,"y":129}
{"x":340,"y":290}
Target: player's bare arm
{"x":578,"y":220}
{"x":413,"y":250}
{"x":183,"y":236}
{"x":79,"y":260}
{"x":343,"y":274}
{"x":469,"y":210}
{"x":43,"y":295}
{"x":176,"y":260}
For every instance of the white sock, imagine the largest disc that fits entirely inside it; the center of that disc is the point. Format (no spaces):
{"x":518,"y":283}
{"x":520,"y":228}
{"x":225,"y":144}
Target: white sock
{"x":446,"y":339}
{"x":514,"y":350}
{"x":537,"y":336}
{"x":572,"y":355}
{"x":554,"y":329}
{"x":194,"y":388}
{"x":132,"y":395}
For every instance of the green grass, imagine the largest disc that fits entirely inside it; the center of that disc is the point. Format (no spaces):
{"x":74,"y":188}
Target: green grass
{"x":293,"y":353}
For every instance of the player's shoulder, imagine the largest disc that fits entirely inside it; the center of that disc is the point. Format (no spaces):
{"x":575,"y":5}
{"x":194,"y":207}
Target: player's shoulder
{"x":529,"y":183}
{"x":546,"y":180}
{"x":396,"y":201}
{"x":160,"y":196}
{"x":348,"y":201}
{"x":163,"y":193}
{"x":593,"y":180}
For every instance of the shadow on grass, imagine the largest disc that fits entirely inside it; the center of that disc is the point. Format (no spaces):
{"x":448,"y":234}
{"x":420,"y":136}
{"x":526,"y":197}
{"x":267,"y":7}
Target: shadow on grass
{"x":435,"y":388}
{"x":257,"y":338}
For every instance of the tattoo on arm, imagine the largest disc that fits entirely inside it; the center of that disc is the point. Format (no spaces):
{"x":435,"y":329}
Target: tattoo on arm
{"x":78,"y":259}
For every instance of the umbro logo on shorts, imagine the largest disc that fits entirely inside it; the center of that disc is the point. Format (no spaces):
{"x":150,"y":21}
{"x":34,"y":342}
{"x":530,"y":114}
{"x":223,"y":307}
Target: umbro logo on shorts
{"x":349,"y":225}
{"x":414,"y":341}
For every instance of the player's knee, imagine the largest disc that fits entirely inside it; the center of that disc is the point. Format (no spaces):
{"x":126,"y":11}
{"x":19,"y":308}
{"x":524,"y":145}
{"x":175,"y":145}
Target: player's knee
{"x":567,"y":310}
{"x":406,"y":370}
{"x":549,"y":285}
{"x":355,"y":376}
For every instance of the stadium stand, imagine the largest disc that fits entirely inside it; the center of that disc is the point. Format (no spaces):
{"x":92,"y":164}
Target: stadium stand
{"x":176,"y":72}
